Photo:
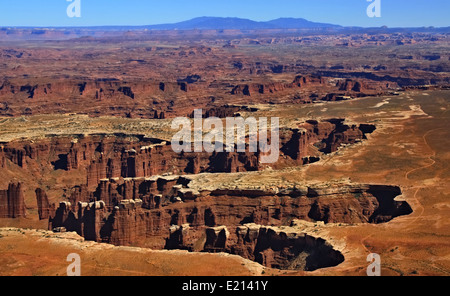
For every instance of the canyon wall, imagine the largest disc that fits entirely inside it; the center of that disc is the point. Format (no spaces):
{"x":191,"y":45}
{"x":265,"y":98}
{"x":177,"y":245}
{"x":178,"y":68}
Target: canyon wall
{"x":143,"y":210}
{"x":273,"y":87}
{"x":130,"y":156}
{"x":45,"y":209}
{"x":153,"y":99}
{"x":284,"y":250}
{"x":102,"y":89}
{"x":12,"y":204}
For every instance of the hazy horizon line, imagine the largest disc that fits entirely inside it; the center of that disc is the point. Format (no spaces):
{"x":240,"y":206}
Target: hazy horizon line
{"x":217,"y":17}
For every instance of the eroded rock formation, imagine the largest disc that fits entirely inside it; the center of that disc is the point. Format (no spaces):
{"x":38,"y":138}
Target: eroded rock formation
{"x":45,"y":210}
{"x":163,"y":212}
{"x":274,"y":87}
{"x":131,"y":156}
{"x":12,"y":204}
{"x":141,"y":210}
{"x":287,"y":250}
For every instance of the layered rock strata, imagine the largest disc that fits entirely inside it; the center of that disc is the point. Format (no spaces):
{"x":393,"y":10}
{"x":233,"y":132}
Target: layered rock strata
{"x":130,"y":156}
{"x":142,"y":211}
{"x":45,"y":209}
{"x":12,"y":203}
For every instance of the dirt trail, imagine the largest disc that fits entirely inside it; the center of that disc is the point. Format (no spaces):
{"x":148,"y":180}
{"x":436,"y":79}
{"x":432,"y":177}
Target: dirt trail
{"x":433,"y":162}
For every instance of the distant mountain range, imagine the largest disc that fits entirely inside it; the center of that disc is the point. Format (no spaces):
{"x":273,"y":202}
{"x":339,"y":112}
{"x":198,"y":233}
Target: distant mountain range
{"x":220,"y":24}
{"x":234,"y":23}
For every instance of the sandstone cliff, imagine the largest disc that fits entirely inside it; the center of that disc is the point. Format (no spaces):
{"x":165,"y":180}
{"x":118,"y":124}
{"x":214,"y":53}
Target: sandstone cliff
{"x":45,"y":210}
{"x":130,"y":156}
{"x":140,"y":209}
{"x":12,"y":204}
{"x":274,"y":87}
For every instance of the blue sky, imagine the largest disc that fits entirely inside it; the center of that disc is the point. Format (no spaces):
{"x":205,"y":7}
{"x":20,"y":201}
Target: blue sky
{"x":395,"y":13}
